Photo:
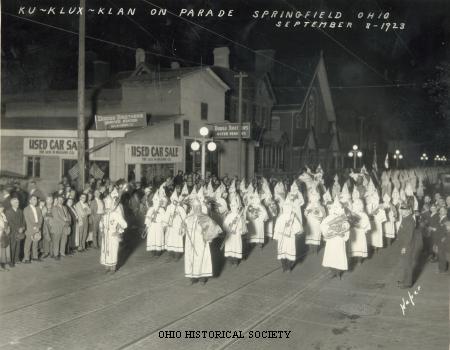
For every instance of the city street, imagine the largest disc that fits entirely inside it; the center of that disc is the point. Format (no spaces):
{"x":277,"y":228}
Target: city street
{"x":74,"y":304}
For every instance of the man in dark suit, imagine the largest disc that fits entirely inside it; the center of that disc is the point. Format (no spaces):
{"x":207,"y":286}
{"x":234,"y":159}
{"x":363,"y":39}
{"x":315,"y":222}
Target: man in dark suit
{"x":59,"y":227}
{"x":411,"y":243}
{"x":33,"y":220}
{"x":441,"y":240}
{"x":16,"y":221}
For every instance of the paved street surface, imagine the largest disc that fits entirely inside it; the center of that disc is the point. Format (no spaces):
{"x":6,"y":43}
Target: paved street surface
{"x":73,"y":304}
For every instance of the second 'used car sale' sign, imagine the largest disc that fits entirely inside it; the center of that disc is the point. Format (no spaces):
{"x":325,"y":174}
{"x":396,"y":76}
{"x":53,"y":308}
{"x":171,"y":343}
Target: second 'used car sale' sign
{"x":152,"y":154}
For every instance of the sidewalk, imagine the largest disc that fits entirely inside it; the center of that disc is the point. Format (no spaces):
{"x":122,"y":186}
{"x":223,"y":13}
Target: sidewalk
{"x":73,"y":304}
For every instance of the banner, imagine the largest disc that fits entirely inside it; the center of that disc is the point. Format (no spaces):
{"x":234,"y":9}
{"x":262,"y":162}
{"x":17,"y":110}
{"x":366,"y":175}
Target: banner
{"x":52,"y":147}
{"x":153,"y":154}
{"x":120,"y":121}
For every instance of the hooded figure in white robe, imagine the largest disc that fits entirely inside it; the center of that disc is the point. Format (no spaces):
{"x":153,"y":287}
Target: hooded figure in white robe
{"x":220,"y":204}
{"x":336,"y":231}
{"x":257,"y":216}
{"x":235,"y":227}
{"x":199,"y":230}
{"x":391,"y":216}
{"x":287,"y":227}
{"x":377,"y":217}
{"x":314,"y":214}
{"x":357,"y":246}
{"x":112,"y":225}
{"x":174,"y":217}
{"x":154,"y":222}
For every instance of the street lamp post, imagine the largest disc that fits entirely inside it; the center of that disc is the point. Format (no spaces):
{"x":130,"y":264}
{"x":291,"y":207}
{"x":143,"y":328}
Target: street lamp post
{"x":204,"y":143}
{"x":355,"y":154}
{"x":397,"y":156}
{"x":424,"y":158}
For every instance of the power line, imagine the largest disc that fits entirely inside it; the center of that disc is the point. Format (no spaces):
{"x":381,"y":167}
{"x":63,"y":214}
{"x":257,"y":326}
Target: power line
{"x":228,"y":39}
{"x":345,"y":48}
{"x":99,"y":39}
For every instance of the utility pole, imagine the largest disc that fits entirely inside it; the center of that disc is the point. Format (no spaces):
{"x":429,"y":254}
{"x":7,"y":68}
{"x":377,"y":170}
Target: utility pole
{"x":240,"y":76}
{"x":81,"y":81}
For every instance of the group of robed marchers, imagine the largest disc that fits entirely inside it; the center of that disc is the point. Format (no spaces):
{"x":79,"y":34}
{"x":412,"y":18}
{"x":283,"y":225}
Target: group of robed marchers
{"x":236,"y":334}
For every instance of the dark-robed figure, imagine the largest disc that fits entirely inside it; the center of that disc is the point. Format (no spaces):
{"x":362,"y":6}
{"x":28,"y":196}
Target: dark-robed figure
{"x":410,"y":244}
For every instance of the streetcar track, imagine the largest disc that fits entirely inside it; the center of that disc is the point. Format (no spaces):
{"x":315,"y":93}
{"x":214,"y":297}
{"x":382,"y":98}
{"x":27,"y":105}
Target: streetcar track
{"x":164,"y":285}
{"x":200,"y":308}
{"x":89,"y":286}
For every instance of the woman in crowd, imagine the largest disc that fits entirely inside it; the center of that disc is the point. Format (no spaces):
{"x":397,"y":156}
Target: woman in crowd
{"x":5,"y":252}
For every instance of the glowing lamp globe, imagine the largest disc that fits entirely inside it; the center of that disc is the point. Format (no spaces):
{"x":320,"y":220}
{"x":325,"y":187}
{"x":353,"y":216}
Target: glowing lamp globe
{"x":195,"y":146}
{"x":204,"y":131}
{"x":212,"y":146}
{"x":355,"y":147}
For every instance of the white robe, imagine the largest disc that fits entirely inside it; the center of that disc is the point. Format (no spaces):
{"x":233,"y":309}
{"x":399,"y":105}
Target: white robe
{"x":112,"y":225}
{"x":376,"y":233}
{"x":314,"y":216}
{"x":389,"y":225}
{"x":174,"y":220}
{"x":335,"y":255}
{"x":197,"y":254}
{"x":256,"y":226}
{"x":154,"y":221}
{"x":287,"y":227}
{"x":358,"y":239}
{"x":235,"y":226}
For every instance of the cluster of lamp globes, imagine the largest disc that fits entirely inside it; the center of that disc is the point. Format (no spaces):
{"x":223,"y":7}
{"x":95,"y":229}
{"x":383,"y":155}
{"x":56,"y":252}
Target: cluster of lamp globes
{"x":212,"y":146}
{"x":437,"y":158}
{"x":440,"y":159}
{"x":355,"y":152}
{"x":398,"y":155}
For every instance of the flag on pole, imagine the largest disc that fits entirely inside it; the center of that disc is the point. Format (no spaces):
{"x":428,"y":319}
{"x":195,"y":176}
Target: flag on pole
{"x":74,"y":172}
{"x":386,"y":161}
{"x":96,"y":172}
{"x":374,"y":162}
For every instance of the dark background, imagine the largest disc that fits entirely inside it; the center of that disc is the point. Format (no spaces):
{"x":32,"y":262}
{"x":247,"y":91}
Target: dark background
{"x":368,"y":69}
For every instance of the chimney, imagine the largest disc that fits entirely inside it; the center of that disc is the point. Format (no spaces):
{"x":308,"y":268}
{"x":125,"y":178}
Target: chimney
{"x":222,"y":57}
{"x":174,"y":65}
{"x":140,"y":56}
{"x":101,"y":72}
{"x":264,"y":61}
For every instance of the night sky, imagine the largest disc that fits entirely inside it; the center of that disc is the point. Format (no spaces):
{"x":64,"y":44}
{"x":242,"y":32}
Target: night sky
{"x":359,"y":61}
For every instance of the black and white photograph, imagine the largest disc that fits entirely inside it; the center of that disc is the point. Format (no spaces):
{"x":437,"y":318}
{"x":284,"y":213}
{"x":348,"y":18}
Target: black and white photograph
{"x":225,"y":174}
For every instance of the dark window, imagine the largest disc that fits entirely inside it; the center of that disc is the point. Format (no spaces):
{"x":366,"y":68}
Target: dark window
{"x":177,"y":130}
{"x":253,"y":113}
{"x":186,"y":127}
{"x":227,"y":106}
{"x":33,"y":166}
{"x":204,"y":107}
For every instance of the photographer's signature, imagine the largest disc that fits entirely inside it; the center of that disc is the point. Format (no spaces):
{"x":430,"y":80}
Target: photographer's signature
{"x":407,"y":302}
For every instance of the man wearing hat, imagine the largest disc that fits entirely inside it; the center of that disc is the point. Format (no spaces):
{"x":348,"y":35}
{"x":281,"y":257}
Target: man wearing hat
{"x":16,"y":221}
{"x":59,"y":227}
{"x":410,"y":243}
{"x":33,"y":233}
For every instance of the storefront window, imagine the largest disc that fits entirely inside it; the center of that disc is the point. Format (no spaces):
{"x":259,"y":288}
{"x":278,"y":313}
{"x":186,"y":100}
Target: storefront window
{"x":33,"y":167}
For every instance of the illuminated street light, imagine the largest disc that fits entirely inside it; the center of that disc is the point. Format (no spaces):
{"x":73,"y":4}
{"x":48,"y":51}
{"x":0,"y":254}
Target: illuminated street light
{"x":397,"y":156}
{"x":201,"y":143}
{"x":355,"y":154}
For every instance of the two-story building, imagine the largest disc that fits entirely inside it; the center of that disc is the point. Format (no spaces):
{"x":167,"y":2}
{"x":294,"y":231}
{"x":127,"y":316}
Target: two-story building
{"x":303,"y":127}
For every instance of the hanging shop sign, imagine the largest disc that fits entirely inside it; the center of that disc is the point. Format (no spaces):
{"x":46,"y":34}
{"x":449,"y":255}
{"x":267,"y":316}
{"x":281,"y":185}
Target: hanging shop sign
{"x":52,"y":147}
{"x":152,"y":154}
{"x":120,"y":121}
{"x":231,"y":130}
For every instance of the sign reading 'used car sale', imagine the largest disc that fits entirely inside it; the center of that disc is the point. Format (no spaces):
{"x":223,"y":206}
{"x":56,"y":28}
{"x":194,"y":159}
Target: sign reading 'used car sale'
{"x":51,"y":147}
{"x":152,"y":154}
